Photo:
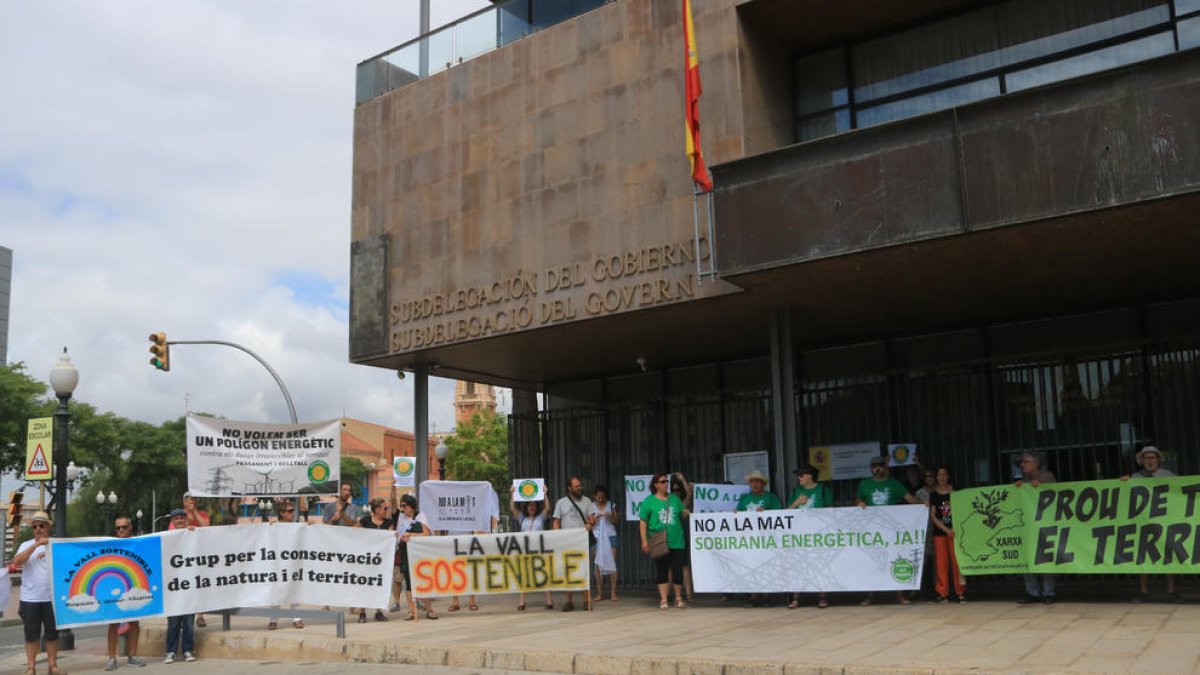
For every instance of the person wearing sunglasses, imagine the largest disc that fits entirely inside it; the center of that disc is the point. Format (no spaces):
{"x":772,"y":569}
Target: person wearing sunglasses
{"x":663,"y":510}
{"x":130,"y":629}
{"x":37,"y":608}
{"x":287,"y":514}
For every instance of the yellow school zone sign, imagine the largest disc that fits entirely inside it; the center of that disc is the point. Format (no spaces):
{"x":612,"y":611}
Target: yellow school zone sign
{"x":39,"y":448}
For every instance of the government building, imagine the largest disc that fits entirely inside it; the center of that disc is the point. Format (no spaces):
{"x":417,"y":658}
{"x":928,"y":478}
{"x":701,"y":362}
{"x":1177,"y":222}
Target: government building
{"x":962,"y":226}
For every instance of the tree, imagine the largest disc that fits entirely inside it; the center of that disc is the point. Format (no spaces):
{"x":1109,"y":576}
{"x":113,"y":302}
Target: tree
{"x":353,"y":472}
{"x":20,"y":400}
{"x":479,"y":450}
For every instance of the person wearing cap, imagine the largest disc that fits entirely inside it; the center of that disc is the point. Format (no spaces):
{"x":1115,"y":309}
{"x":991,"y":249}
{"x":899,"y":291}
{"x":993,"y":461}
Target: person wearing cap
{"x":195,"y":518}
{"x":809,"y":494}
{"x":183,"y":624}
{"x":1149,"y":460}
{"x":758,"y":498}
{"x":1038,"y":587}
{"x":124,"y":529}
{"x":881,"y":489}
{"x":37,"y":607}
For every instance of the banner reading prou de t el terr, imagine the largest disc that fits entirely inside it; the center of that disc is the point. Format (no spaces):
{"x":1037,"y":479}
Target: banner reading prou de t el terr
{"x":1146,"y":526}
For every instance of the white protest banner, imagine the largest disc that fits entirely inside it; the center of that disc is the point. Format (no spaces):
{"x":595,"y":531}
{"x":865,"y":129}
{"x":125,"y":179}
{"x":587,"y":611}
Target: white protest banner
{"x":211,"y":568}
{"x":844,"y":461}
{"x":637,"y":488}
{"x":716,"y":497}
{"x":880,"y":548}
{"x":404,"y":472}
{"x":464,"y":505}
{"x":232,"y":459}
{"x":529,"y":489}
{"x":553,"y":560}
{"x":902,"y":454}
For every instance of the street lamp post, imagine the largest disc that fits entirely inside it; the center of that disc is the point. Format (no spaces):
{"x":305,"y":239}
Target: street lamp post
{"x":265,"y":506}
{"x":63,"y":378}
{"x":139,"y":522}
{"x":442,"y":451}
{"x":109,"y":506}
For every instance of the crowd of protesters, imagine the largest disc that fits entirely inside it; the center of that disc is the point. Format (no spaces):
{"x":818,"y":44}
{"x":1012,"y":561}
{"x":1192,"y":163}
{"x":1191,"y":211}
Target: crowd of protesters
{"x":662,"y":531}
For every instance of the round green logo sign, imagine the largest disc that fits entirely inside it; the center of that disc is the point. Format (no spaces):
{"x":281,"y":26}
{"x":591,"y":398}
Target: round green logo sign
{"x":528,"y":489}
{"x":903,"y":570}
{"x":318,"y":472}
{"x":404,"y":467}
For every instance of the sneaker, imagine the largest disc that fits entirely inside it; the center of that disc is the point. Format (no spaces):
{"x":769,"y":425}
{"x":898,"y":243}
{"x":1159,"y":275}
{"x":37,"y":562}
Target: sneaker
{"x":938,"y":600}
{"x":1049,"y":599}
{"x":170,"y":658}
{"x":135,"y":661}
{"x":1029,"y":600}
{"x":111,"y":665}
{"x":189,"y":657}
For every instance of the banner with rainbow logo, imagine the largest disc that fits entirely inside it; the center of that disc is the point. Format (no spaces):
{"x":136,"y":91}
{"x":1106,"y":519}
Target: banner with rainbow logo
{"x":106,"y":580}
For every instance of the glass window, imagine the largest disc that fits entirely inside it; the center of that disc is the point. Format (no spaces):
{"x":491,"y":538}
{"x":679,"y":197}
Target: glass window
{"x":1092,"y":62}
{"x":994,"y":37}
{"x":821,"y":81}
{"x":1186,"y":7}
{"x":1189,"y":33}
{"x":823,"y":125}
{"x":546,"y":13}
{"x":929,"y":102}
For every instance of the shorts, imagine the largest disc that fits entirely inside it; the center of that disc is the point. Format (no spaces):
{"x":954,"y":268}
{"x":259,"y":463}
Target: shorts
{"x":39,"y":621}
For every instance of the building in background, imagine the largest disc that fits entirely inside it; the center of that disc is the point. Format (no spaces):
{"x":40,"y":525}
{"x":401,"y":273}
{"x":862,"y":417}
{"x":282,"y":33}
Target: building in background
{"x":6,"y":267}
{"x":967,"y":226}
{"x":472,"y":397}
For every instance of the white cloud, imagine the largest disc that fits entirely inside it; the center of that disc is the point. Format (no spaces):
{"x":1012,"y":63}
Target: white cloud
{"x":185,"y":166}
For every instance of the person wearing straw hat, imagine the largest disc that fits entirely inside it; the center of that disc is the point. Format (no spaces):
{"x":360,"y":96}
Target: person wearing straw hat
{"x":1150,"y":460}
{"x":37,"y":607}
{"x":758,"y":499}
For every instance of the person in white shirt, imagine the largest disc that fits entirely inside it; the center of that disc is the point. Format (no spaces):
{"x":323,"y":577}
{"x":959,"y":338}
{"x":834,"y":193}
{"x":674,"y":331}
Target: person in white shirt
{"x":37,"y":608}
{"x":574,"y":511}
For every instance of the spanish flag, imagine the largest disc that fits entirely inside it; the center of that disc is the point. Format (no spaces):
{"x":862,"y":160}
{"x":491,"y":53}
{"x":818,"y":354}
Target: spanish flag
{"x":692,"y":99}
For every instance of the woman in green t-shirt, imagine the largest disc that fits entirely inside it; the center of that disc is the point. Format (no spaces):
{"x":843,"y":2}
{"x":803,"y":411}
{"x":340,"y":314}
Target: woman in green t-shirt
{"x":662,"y":510}
{"x":809,"y":494}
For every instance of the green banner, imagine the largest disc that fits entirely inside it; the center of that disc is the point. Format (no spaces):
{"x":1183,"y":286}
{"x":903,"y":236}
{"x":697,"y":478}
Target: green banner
{"x":1145,"y":526}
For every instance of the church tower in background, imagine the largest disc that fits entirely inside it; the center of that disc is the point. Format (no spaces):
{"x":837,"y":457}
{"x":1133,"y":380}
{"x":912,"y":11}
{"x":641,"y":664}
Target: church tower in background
{"x":470,"y":398}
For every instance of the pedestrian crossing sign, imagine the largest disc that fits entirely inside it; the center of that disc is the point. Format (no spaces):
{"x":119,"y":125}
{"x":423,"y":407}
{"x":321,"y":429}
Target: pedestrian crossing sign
{"x":41,"y":434}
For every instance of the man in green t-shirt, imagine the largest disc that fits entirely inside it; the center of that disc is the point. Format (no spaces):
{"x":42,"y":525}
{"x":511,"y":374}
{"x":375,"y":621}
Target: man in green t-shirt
{"x":758,"y":499}
{"x":883,"y":490}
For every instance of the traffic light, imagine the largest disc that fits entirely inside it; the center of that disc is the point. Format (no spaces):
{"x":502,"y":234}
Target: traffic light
{"x":161,"y":351}
{"x":15,"y":499}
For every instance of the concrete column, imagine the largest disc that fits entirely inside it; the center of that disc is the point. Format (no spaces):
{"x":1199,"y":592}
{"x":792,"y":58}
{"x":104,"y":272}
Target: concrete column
{"x":783,"y":400}
{"x":421,"y":419}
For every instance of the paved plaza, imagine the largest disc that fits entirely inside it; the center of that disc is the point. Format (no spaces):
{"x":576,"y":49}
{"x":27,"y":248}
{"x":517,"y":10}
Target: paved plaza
{"x":634,"y":636}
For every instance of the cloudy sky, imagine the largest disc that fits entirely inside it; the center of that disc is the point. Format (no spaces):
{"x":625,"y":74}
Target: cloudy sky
{"x":184,"y":166}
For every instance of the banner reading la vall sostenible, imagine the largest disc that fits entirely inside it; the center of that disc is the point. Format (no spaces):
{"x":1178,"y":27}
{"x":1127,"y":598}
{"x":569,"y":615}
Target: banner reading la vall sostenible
{"x":552,"y":560}
{"x":210,"y":568}
{"x":879,"y":548}
{"x":1143,"y":526}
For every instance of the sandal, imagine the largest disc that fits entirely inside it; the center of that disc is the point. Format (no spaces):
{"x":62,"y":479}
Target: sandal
{"x":410,"y":617}
{"x":903,"y":600}
{"x":679,"y":604}
{"x":297,"y":623}
{"x":453,"y":608}
{"x":549,"y":606}
{"x":690,"y":599}
{"x":822,"y":603}
{"x":521,"y":607}
{"x":473,"y":607}
{"x":272,"y":626}
{"x":430,"y":615}
{"x":200,"y":622}
{"x":793,"y":604}
{"x":663,"y":605}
